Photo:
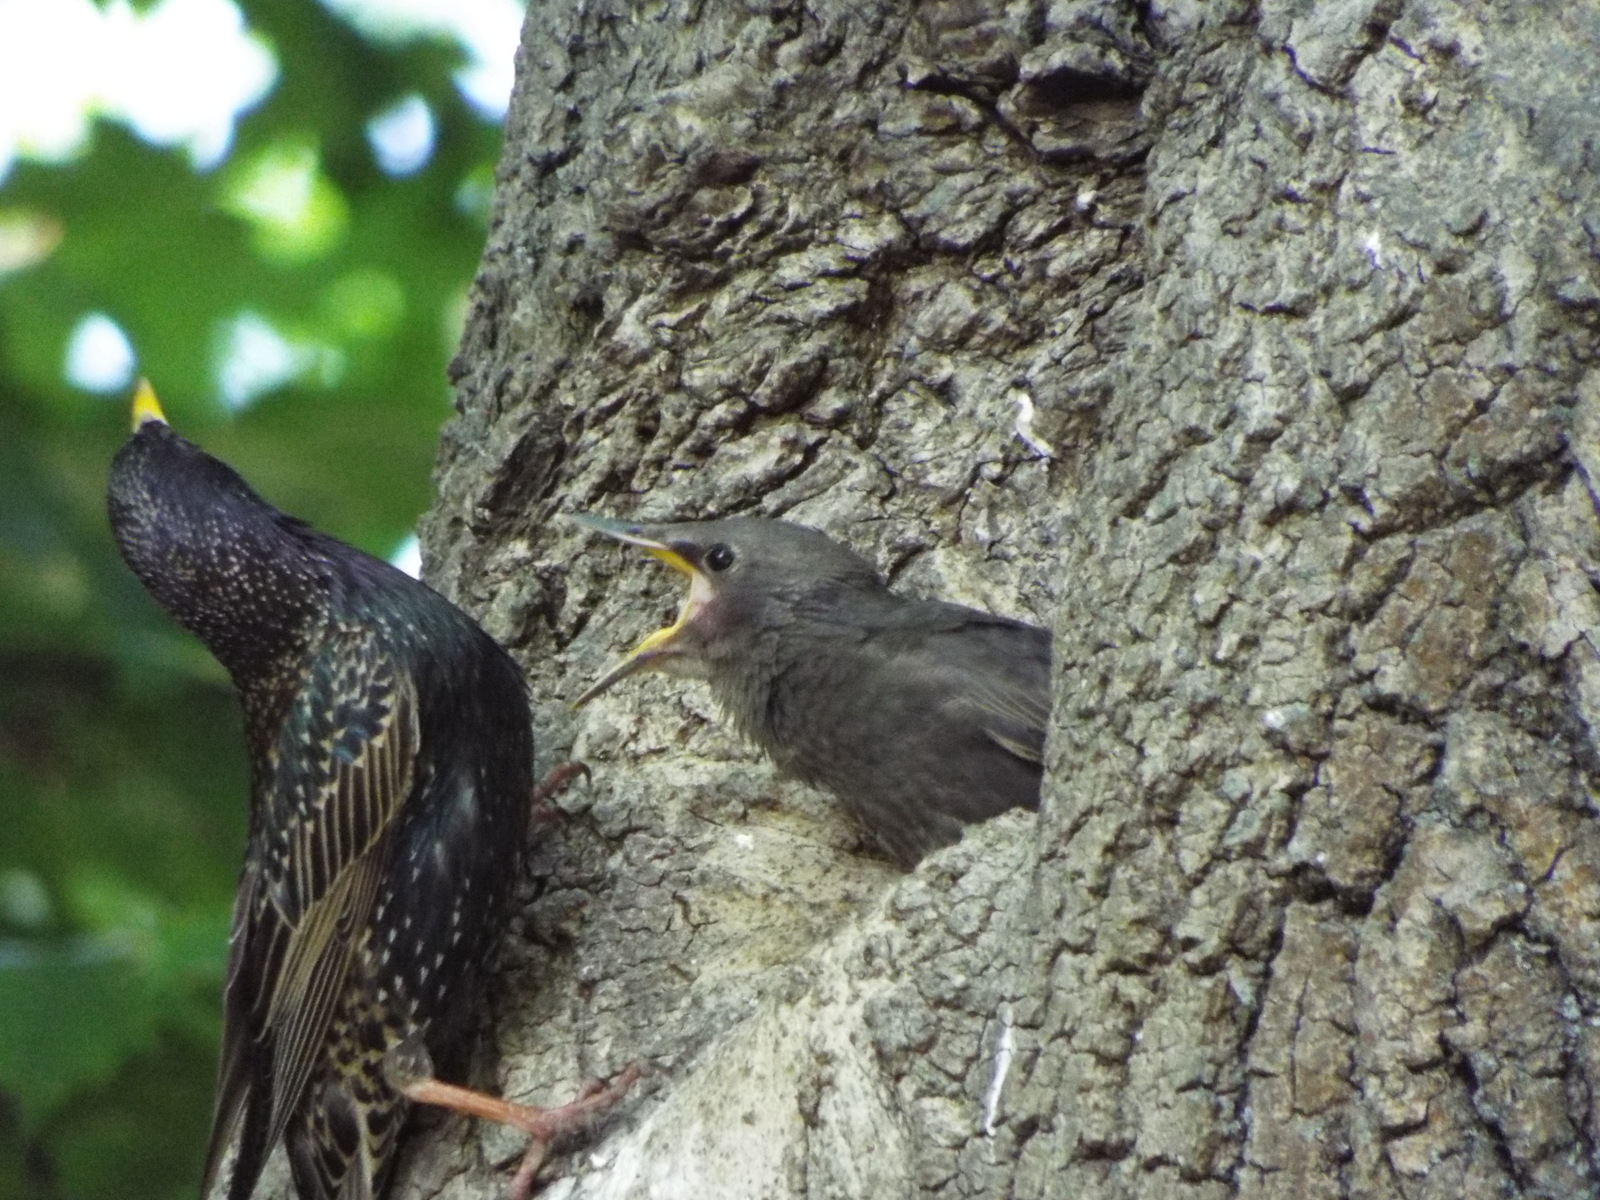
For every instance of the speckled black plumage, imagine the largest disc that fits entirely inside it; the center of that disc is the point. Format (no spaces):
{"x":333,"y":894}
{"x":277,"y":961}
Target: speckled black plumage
{"x":391,"y":766}
{"x":920,"y":715}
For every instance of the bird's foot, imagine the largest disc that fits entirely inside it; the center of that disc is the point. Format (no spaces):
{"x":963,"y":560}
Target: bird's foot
{"x":556,"y":782}
{"x":542,"y":1125}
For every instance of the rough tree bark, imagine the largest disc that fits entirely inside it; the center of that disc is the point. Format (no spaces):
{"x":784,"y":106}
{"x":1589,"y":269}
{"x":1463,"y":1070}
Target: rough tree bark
{"x":1304,"y":299}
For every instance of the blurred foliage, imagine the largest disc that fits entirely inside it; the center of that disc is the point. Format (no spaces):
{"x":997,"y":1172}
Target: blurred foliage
{"x":122,"y":779}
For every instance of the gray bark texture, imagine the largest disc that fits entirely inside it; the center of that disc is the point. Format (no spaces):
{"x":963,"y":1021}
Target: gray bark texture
{"x":1250,"y":347}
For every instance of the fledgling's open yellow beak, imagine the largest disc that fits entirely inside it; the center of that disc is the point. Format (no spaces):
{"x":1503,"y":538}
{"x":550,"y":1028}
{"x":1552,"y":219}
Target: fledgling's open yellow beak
{"x":146,"y":407}
{"x":661,"y":645}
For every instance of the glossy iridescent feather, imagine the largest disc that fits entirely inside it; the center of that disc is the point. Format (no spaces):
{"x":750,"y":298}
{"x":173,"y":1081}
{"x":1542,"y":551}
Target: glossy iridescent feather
{"x":391,"y":765}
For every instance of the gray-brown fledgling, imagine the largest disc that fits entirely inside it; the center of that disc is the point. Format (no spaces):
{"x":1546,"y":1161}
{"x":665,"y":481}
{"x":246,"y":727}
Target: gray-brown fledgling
{"x":390,"y":775}
{"x":921,"y":716}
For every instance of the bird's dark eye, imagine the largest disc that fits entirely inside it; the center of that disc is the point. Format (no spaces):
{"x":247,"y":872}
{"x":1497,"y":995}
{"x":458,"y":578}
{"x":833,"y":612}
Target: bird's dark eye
{"x":719,"y":557}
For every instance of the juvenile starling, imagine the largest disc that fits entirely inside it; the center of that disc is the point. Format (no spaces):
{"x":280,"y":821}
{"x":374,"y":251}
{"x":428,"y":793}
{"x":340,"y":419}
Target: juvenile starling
{"x":390,"y":777}
{"x":921,"y":716}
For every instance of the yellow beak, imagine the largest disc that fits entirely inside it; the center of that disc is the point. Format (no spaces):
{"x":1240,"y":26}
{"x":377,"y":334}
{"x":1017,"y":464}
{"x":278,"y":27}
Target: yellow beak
{"x":661,"y":645}
{"x":146,"y":407}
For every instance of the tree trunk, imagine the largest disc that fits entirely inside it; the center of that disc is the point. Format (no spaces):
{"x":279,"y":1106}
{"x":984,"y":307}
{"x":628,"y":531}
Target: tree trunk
{"x":1247,"y":346}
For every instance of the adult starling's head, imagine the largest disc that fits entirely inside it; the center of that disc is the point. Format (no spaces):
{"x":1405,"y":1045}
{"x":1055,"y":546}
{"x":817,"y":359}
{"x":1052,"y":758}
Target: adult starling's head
{"x":228,"y":566}
{"x":750,"y":580}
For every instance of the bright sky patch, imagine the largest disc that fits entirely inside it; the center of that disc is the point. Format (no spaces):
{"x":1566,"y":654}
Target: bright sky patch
{"x":408,"y":556}
{"x":100,"y":357}
{"x":182,"y":72}
{"x":254,"y":358}
{"x":488,"y":31}
{"x":178,"y":74}
{"x":402,"y":136}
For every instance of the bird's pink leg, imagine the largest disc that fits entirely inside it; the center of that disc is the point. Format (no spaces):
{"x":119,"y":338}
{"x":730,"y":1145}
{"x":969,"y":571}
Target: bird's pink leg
{"x":542,"y":1125}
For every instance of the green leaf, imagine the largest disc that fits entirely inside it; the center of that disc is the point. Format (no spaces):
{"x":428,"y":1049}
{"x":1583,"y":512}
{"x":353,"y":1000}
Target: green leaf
{"x":123,"y":784}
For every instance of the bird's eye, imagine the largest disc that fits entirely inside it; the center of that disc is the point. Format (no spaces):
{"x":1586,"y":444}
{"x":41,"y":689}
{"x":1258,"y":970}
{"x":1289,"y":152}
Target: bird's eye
{"x":719,"y":557}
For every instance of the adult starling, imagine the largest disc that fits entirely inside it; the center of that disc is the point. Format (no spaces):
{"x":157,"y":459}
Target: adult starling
{"x":390,"y":777}
{"x":921,"y":716}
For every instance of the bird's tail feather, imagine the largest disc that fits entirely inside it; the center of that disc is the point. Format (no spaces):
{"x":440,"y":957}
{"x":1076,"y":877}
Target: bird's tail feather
{"x":252,"y":1155}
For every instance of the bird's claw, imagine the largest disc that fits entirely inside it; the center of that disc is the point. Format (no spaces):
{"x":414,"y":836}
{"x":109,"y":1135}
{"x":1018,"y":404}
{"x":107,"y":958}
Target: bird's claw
{"x":558,"y":780}
{"x":544,"y":1125}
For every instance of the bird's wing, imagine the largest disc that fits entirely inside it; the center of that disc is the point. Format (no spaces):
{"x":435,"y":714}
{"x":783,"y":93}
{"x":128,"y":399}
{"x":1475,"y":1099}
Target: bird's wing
{"x":1013,"y":694}
{"x":995,"y":669}
{"x":233,"y":1074}
{"x":1012,"y":721}
{"x":341,"y":768}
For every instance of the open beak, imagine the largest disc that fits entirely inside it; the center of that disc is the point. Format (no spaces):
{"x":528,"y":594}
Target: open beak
{"x":662,"y":645}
